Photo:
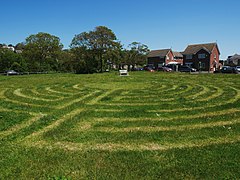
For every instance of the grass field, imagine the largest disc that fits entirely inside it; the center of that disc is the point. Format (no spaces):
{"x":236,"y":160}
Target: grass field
{"x":102,"y":126}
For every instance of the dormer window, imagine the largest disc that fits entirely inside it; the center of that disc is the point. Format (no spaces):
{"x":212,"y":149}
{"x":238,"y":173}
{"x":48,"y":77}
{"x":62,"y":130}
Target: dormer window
{"x":201,"y":56}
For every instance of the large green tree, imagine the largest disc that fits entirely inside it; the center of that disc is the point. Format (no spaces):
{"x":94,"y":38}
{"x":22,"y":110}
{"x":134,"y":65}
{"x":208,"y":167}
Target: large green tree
{"x":136,"y":54}
{"x":66,"y":61}
{"x":85,"y":61}
{"x":115,"y":57}
{"x":10,"y":60}
{"x":42,"y":51}
{"x":97,"y":42}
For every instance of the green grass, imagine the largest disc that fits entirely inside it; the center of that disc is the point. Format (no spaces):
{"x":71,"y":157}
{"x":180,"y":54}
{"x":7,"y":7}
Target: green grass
{"x":12,"y":119}
{"x":102,"y":126}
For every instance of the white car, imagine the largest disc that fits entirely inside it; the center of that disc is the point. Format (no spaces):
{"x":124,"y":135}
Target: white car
{"x":11,"y":72}
{"x":237,"y":68}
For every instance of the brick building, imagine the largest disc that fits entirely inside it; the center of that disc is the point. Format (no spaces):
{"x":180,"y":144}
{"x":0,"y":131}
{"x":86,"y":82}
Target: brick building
{"x":203,"y":57}
{"x":158,"y":58}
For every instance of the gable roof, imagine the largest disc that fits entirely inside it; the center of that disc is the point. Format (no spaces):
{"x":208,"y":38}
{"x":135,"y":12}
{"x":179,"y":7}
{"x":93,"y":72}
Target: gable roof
{"x":194,"y":48}
{"x":159,"y":53}
{"x":177,"y":54}
{"x":234,"y":57}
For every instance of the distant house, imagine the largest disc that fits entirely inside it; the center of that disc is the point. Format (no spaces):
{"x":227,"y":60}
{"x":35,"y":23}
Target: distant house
{"x":158,"y":58}
{"x":9,"y":47}
{"x":178,"y":57}
{"x":202,"y":56}
{"x":234,"y":60}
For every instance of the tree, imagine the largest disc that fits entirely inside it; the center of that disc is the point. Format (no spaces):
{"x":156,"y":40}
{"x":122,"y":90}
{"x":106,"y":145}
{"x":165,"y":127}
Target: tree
{"x":137,"y":54}
{"x":20,"y":46}
{"x":10,"y":60}
{"x":85,"y":61}
{"x":42,"y":50}
{"x":97,"y":42}
{"x":115,"y":56}
{"x":66,"y":61}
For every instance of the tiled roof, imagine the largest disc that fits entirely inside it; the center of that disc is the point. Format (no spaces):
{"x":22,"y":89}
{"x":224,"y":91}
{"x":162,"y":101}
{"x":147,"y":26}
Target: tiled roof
{"x":177,"y":54}
{"x":193,"y":49}
{"x":234,"y":57}
{"x":159,"y":53}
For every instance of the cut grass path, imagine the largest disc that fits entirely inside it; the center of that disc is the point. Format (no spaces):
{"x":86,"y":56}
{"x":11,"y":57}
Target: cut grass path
{"x":102,"y":126}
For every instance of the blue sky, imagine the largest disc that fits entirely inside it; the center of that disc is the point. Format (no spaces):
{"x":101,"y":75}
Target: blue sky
{"x":156,"y":23}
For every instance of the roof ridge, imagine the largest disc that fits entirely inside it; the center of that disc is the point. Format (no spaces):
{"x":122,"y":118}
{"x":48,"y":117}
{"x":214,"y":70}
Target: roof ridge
{"x":160,"y":49}
{"x":201,"y":44}
{"x":194,"y":48}
{"x":160,"y":52}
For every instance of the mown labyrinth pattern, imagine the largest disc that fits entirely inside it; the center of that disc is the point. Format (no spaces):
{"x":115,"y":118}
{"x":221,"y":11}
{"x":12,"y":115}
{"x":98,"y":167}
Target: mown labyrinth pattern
{"x":117,"y":118}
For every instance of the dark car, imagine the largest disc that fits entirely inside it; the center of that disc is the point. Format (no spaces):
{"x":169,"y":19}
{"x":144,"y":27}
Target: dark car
{"x":138,"y":69}
{"x":11,"y":72}
{"x":186,"y":69}
{"x":228,"y":69}
{"x":165,"y":69}
{"x":150,"y":69}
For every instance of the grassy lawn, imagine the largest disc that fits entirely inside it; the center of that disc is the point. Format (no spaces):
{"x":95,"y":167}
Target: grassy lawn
{"x":102,"y":126}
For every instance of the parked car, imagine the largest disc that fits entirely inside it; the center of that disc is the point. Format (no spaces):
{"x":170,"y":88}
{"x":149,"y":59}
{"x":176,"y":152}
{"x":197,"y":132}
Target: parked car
{"x":237,"y":69}
{"x":227,"y":69}
{"x":165,"y":69}
{"x":11,"y":72}
{"x":186,"y":69}
{"x":150,"y":69}
{"x":138,"y":69}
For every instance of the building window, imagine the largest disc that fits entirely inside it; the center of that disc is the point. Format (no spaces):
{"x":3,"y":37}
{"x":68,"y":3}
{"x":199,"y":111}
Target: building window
{"x":167,"y":57}
{"x":201,"y":56}
{"x":189,"y":64}
{"x":189,"y":56}
{"x":215,"y":56}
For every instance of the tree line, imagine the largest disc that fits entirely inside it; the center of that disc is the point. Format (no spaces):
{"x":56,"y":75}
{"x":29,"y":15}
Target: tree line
{"x":98,"y":50}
